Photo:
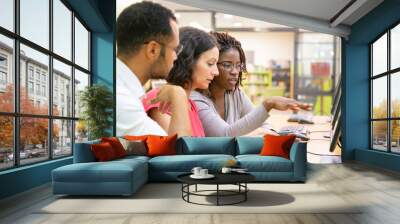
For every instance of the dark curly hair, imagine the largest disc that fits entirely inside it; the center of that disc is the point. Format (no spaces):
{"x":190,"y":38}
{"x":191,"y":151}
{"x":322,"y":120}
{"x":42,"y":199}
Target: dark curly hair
{"x":142,"y":22}
{"x":194,"y":42}
{"x":226,"y":42}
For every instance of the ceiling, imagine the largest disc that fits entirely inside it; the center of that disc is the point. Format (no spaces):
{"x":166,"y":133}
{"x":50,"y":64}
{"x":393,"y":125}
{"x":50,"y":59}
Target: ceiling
{"x":201,"y":18}
{"x":315,"y":15}
{"x":318,"y":9}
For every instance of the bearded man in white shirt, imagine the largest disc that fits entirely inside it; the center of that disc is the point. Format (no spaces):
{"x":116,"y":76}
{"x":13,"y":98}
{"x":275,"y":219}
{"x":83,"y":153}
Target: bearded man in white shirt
{"x":147,"y":46}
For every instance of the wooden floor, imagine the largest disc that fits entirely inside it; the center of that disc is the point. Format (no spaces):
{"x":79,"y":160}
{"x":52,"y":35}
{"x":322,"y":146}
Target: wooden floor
{"x":377,"y":188}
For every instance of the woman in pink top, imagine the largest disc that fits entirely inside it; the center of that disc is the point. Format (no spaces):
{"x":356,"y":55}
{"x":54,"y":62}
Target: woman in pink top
{"x":194,"y":68}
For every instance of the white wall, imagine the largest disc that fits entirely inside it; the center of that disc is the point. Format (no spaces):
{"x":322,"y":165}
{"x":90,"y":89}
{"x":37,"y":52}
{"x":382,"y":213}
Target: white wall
{"x":267,"y":45}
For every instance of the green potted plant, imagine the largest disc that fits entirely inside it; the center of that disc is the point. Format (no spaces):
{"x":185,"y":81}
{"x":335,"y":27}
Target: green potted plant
{"x":96,"y":102}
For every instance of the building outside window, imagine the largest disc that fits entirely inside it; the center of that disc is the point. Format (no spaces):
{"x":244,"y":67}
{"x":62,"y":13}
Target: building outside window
{"x":385,"y":96}
{"x":3,"y":72}
{"x":30,"y":72}
{"x":44,"y":77}
{"x":3,"y":78}
{"x":30,"y":87}
{"x":37,"y":75}
{"x":3,"y":81}
{"x":59,"y":128}
{"x":43,"y":90}
{"x":38,"y":89}
{"x":3,"y":61}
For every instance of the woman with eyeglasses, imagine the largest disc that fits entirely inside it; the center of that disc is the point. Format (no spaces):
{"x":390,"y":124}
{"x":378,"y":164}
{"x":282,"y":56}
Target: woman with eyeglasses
{"x":194,"y":68}
{"x":224,"y":108}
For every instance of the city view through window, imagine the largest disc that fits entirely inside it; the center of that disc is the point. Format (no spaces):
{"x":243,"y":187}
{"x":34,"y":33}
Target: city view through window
{"x":385,"y":95}
{"x":47,"y":74}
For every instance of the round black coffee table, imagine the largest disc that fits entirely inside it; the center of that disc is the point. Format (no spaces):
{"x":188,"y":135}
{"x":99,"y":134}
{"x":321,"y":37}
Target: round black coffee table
{"x":238,"y":179}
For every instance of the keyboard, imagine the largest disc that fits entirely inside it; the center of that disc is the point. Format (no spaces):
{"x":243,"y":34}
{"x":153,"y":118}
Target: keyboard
{"x":293,"y":129}
{"x":301,"y":118}
{"x":299,"y":130}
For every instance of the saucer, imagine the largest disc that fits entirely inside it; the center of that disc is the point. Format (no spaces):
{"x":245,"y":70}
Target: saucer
{"x":208,"y":176}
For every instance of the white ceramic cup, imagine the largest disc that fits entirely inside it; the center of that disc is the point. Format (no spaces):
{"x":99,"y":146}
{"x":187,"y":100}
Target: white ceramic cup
{"x":196,"y":170}
{"x":203,"y":172}
{"x":226,"y":170}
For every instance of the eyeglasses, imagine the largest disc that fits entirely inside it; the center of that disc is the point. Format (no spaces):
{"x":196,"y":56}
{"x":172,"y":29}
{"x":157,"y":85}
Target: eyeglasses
{"x":228,"y":66}
{"x":177,"y":49}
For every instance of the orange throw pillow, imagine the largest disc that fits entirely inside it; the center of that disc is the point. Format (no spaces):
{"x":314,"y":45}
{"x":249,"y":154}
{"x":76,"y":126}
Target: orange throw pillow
{"x":103,"y":152}
{"x":116,"y":145}
{"x":277,"y":145}
{"x":161,"y":145}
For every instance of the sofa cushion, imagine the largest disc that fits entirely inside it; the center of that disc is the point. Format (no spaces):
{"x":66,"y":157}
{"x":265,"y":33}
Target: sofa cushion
{"x":83,"y":152}
{"x":185,"y":163}
{"x":209,"y":145}
{"x":112,"y":171}
{"x":257,"y":163}
{"x":249,"y":145}
{"x":131,"y":158}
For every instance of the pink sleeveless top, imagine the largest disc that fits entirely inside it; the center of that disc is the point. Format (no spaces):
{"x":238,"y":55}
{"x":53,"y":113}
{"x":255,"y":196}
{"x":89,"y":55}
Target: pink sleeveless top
{"x":197,"y":127}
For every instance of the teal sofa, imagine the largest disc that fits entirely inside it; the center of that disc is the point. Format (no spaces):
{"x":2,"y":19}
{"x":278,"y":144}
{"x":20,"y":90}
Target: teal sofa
{"x":125,"y":176}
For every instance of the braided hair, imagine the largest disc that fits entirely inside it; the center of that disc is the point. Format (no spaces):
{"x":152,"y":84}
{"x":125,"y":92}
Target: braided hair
{"x":194,"y":42}
{"x":227,"y":42}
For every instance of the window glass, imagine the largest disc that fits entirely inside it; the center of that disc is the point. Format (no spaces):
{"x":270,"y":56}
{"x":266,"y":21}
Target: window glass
{"x":62,"y":141}
{"x":62,"y":89}
{"x":34,"y":80}
{"x":81,"y":45}
{"x":395,"y":136}
{"x":6,"y":74}
{"x":379,"y":135}
{"x":379,"y":98}
{"x":379,"y":56}
{"x":81,"y":131}
{"x":34,"y":21}
{"x":39,"y":62}
{"x":6,"y":142}
{"x":7,"y":14}
{"x":33,"y":140}
{"x":81,"y":82}
{"x":395,"y":47}
{"x":62,"y":29}
{"x":395,"y":94}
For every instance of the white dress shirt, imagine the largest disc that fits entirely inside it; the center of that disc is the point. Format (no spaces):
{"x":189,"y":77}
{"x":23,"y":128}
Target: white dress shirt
{"x":131,"y":116}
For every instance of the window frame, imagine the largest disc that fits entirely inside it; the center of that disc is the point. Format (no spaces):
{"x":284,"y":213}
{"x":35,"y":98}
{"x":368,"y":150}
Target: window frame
{"x":388,"y":74}
{"x":16,"y":115}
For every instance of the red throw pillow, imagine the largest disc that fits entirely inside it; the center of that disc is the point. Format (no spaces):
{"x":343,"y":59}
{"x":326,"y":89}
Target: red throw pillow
{"x":277,"y":145}
{"x":103,"y":152}
{"x":116,"y":145}
{"x":161,"y":145}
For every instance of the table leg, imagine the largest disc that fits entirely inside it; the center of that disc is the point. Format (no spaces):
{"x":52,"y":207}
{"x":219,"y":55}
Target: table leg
{"x":188,"y":189}
{"x":245,"y":191}
{"x":217,"y":194}
{"x":182,"y":190}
